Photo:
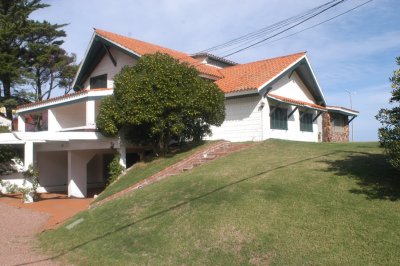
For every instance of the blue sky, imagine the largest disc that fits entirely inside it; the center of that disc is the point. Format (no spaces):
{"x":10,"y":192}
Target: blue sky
{"x":354,"y":52}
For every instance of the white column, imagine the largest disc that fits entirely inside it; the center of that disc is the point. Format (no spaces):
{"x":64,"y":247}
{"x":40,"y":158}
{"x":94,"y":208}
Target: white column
{"x":90,"y":113}
{"x":53,"y":124}
{"x":28,"y":154}
{"x":122,"y":151}
{"x":265,"y":120}
{"x":77,"y":173}
{"x":21,"y":123}
{"x":122,"y":154}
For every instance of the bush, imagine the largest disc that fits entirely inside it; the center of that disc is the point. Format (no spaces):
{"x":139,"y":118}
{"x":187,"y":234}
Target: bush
{"x":115,"y":169}
{"x":31,"y":175}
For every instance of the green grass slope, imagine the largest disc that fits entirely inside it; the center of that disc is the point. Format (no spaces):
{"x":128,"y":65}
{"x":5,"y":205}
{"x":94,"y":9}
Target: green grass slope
{"x":143,"y":170}
{"x":277,"y":203}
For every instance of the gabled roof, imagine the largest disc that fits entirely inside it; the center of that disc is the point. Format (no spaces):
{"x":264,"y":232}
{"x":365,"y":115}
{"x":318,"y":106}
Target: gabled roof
{"x":234,"y":79}
{"x":261,"y":75}
{"x":252,"y":75}
{"x":141,"y":48}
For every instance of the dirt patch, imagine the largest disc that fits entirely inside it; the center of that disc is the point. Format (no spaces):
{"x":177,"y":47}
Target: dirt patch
{"x":17,"y":236}
{"x":20,"y":222}
{"x":57,"y":205}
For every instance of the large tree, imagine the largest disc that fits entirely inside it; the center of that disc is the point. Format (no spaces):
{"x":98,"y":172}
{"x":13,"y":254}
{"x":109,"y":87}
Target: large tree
{"x":48,"y":65}
{"x":14,"y":28}
{"x":389,"y":133}
{"x":158,"y":100}
{"x":30,"y":51}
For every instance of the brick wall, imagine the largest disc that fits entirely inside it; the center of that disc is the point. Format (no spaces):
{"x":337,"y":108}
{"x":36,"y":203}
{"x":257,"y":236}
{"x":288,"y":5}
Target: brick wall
{"x":328,"y":131}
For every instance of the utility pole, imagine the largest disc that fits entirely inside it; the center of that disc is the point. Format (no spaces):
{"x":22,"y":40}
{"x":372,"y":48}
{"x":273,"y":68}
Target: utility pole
{"x":351,"y":107}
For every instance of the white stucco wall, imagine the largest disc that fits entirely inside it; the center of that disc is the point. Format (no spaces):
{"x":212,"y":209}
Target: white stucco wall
{"x":95,"y":170}
{"x":242,"y":120}
{"x":53,"y":170}
{"x":293,"y":88}
{"x":293,"y":132}
{"x":71,"y":115}
{"x":107,"y":67}
{"x":13,"y":179}
{"x":247,"y":121}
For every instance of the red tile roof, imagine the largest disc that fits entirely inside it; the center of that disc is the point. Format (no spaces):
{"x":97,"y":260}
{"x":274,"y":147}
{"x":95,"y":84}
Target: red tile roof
{"x":230,"y":79}
{"x":142,"y":48}
{"x":253,"y":75}
{"x":296,"y":102}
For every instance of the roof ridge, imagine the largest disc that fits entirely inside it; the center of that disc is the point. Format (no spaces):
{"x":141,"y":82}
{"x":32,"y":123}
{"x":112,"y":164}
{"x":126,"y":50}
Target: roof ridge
{"x":267,"y":60}
{"x":99,"y":31}
{"x":215,"y":57}
{"x":141,"y":48}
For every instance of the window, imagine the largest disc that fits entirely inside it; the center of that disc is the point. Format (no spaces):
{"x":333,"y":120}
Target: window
{"x":306,"y":123}
{"x":98,"y":82}
{"x":338,"y":123}
{"x":279,"y":118}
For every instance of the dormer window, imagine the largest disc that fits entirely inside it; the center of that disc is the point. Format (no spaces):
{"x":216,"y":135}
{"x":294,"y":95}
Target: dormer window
{"x":98,"y":82}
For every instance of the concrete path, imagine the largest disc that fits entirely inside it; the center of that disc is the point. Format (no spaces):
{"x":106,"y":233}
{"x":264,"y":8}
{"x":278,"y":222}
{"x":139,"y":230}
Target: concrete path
{"x":18,"y":228}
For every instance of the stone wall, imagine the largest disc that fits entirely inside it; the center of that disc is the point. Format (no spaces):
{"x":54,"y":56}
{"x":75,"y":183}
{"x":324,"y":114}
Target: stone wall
{"x":328,"y":131}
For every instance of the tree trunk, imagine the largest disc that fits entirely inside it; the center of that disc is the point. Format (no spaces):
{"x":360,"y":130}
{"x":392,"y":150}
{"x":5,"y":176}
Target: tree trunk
{"x":39,"y":95}
{"x":7,"y":95}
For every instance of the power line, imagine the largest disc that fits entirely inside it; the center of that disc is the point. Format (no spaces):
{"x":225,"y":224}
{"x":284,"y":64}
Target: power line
{"x":315,"y":25}
{"x":280,"y":32}
{"x":267,"y":29}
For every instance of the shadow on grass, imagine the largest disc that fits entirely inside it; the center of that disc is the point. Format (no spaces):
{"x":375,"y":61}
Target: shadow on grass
{"x":177,"y":206}
{"x":376,"y":178}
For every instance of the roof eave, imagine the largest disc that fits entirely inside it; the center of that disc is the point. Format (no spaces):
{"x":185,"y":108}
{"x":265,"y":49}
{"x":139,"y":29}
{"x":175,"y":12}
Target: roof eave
{"x":315,"y":79}
{"x":69,"y":98}
{"x":305,"y":105}
{"x":342,"y":110}
{"x":84,"y":59}
{"x":242,"y":92}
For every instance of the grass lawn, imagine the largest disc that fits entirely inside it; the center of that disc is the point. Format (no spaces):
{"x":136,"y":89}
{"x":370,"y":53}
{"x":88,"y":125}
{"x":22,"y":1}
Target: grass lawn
{"x":277,"y":203}
{"x":141,"y":171}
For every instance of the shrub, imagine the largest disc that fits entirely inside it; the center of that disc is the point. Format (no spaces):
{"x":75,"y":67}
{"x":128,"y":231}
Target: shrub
{"x":115,"y":169}
{"x":389,"y":133}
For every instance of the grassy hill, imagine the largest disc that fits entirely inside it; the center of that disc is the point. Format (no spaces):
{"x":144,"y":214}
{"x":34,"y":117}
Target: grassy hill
{"x":278,"y":203}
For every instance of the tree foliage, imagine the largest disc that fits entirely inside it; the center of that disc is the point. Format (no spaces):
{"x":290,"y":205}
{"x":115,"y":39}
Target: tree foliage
{"x":389,"y":133}
{"x":30,"y":51}
{"x":7,"y":152}
{"x":48,"y":66}
{"x":158,"y":100}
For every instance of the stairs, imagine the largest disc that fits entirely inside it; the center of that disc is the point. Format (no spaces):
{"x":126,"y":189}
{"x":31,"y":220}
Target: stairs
{"x":210,"y":153}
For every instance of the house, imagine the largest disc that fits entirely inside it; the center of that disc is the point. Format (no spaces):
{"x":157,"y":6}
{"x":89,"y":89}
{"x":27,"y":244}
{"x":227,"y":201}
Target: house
{"x":272,"y":98}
